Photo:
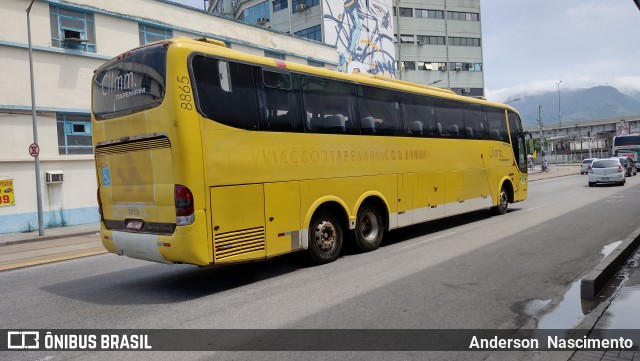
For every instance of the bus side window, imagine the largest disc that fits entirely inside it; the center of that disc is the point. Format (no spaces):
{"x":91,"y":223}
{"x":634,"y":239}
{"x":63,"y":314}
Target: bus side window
{"x":497,"y":124}
{"x":277,"y":97}
{"x":328,"y":105}
{"x":450,"y":115}
{"x":379,"y":111}
{"x":419,"y":116}
{"x":225,"y":93}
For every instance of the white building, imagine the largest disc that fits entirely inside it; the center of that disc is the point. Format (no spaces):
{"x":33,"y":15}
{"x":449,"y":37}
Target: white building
{"x":70,"y":40}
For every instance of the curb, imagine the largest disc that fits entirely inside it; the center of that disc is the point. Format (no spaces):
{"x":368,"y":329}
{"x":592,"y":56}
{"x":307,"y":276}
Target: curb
{"x":598,"y":278}
{"x":48,"y":238}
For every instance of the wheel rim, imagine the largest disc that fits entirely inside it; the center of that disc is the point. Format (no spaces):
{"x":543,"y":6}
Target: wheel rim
{"x":369,"y":227}
{"x":326,"y":235}
{"x":504,"y":200}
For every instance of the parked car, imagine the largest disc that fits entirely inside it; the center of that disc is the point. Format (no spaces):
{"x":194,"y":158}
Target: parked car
{"x":629,"y":166}
{"x":606,"y":171}
{"x":584,"y":168}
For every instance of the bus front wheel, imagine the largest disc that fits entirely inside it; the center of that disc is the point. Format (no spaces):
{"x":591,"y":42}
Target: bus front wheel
{"x":503,"y":203}
{"x":369,"y":228}
{"x":325,"y":238}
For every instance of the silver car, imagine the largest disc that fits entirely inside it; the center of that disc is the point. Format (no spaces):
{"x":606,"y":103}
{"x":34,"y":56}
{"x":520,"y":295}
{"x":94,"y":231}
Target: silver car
{"x":584,"y":168}
{"x":606,"y":171}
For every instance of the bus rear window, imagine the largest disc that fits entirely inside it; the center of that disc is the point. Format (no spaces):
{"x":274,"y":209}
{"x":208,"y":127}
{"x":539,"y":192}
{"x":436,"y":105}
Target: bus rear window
{"x":130,"y":84}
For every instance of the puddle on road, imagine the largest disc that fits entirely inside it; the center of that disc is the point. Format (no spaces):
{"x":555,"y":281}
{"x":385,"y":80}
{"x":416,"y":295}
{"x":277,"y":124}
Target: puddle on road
{"x":571,"y":311}
{"x":623,"y":311}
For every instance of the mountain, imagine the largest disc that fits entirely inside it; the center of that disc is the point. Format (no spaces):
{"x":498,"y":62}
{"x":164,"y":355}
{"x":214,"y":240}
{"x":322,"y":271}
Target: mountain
{"x":576,"y":105}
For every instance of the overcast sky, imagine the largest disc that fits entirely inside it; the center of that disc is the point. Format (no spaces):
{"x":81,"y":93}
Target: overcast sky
{"x":529,"y":45}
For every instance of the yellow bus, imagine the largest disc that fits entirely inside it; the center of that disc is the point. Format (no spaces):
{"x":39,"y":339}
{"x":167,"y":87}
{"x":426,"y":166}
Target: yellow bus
{"x":206,"y":155}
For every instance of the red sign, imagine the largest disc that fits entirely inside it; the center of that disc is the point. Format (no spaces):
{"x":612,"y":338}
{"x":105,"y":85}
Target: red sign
{"x":34,"y":150}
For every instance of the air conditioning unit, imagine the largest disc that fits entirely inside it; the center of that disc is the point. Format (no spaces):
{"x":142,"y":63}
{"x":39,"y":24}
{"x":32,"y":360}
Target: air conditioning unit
{"x":457,"y":68}
{"x":301,"y":7}
{"x":420,"y":42}
{"x":442,"y":68}
{"x":262,"y":21}
{"x":466,"y":90}
{"x":53,"y":176}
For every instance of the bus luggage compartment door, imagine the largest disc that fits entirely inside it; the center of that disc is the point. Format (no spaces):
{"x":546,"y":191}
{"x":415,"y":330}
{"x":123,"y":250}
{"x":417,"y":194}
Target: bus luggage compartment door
{"x":237,"y":218}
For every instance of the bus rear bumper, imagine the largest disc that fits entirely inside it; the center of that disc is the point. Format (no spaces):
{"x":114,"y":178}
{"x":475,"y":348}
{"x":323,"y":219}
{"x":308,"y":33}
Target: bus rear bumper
{"x":186,"y":245}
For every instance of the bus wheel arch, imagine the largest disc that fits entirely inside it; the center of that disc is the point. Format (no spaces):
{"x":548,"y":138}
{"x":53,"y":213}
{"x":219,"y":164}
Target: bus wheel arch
{"x":505,"y":196}
{"x":326,"y":232}
{"x":372,"y":220}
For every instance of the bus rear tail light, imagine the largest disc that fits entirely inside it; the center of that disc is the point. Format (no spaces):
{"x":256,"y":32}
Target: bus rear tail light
{"x":184,"y":205}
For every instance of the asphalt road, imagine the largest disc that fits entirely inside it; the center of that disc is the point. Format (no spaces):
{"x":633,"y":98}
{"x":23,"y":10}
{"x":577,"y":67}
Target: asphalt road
{"x":471,"y":271}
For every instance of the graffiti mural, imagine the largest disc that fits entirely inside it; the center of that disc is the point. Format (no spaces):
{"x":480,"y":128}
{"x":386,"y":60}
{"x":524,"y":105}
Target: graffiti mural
{"x":362,"y":31}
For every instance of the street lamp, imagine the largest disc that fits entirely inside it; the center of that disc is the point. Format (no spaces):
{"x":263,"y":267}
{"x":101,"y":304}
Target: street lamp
{"x":559,"y":114}
{"x":434,"y":82}
{"x":512,"y":100}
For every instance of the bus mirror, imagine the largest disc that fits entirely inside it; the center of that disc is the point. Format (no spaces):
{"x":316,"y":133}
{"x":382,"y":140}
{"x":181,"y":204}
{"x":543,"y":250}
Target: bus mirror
{"x":223,"y":69}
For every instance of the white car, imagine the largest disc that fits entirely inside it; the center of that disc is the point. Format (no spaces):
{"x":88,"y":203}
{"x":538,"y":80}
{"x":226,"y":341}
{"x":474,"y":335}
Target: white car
{"x":606,"y":171}
{"x":584,"y":168}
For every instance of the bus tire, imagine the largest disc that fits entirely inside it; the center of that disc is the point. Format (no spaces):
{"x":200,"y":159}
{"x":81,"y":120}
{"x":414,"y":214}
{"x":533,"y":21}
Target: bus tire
{"x":503,"y":203}
{"x":325,"y":238}
{"x":369,"y":228}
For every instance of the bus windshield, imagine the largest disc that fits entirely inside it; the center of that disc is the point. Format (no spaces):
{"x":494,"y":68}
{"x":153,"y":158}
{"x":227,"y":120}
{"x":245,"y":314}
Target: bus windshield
{"x":132,"y":82}
{"x":626,"y":140}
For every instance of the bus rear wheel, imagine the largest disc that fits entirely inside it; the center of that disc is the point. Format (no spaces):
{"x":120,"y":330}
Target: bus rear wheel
{"x":503,"y":203}
{"x":325,"y":238}
{"x":369,"y":228}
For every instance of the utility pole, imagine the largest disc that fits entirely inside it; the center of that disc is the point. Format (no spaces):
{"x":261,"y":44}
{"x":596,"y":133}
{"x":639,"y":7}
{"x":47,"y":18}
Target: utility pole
{"x":542,"y":165}
{"x":35,"y":126}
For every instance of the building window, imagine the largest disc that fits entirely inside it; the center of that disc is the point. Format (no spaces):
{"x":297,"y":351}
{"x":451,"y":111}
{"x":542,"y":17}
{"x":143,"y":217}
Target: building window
{"x":407,"y":39}
{"x":74,"y":134}
{"x":470,"y":92}
{"x":280,"y":5}
{"x":466,"y":66}
{"x":430,"y":40}
{"x":72,"y":29}
{"x":257,"y":14}
{"x":301,"y":5}
{"x":149,"y":34}
{"x":273,"y":54}
{"x":313,"y":33}
{"x":406,"y":12}
{"x":456,"y":15}
{"x":430,"y":14}
{"x":408,"y":65}
{"x":455,"y":41}
{"x":432,"y":66}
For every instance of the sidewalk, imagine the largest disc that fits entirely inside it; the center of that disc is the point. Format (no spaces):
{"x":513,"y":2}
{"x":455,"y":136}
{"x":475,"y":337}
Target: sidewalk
{"x":58,"y":244}
{"x":555,"y":170}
